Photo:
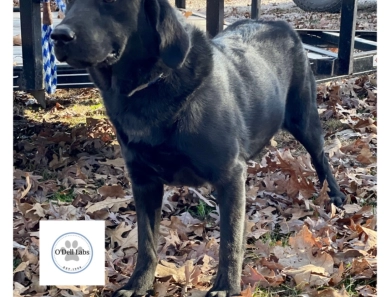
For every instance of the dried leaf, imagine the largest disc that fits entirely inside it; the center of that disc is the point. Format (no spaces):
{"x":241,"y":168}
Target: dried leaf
{"x":323,"y":196}
{"x":337,"y":277}
{"x":248,"y":292}
{"x":118,"y":162}
{"x":329,"y":292}
{"x":21,"y":267}
{"x":161,"y":289}
{"x":131,"y":240}
{"x":333,"y":148}
{"x":365,"y":156}
{"x":110,"y":203}
{"x":112,"y":191}
{"x":38,"y":210}
{"x":254,"y":278}
{"x":309,"y":275}
{"x":368,"y":236}
{"x":187,"y":13}
{"x":166,"y":269}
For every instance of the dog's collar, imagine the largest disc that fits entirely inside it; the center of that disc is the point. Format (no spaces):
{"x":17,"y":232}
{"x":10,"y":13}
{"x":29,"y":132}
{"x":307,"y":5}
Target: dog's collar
{"x":141,"y":87}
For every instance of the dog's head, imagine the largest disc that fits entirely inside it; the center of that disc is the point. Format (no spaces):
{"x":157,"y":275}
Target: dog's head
{"x":100,"y":32}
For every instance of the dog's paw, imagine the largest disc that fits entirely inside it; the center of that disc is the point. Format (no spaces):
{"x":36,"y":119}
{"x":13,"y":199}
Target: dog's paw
{"x":139,"y":284}
{"x":225,"y":286}
{"x":124,"y":293}
{"x":218,"y":294}
{"x":223,"y":292}
{"x":130,"y":291}
{"x":338,"y":199}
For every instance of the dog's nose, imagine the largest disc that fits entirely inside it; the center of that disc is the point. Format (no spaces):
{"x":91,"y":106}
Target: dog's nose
{"x":62,"y":33}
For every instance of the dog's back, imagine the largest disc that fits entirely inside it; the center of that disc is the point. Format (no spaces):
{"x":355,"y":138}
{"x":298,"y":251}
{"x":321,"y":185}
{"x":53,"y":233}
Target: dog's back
{"x":273,"y":45}
{"x":258,"y":68}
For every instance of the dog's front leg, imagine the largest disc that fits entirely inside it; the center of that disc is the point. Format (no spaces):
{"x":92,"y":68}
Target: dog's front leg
{"x":231,"y":200}
{"x":148,"y":199}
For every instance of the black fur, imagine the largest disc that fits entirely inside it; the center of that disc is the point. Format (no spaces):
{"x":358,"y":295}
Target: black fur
{"x":217,"y":104}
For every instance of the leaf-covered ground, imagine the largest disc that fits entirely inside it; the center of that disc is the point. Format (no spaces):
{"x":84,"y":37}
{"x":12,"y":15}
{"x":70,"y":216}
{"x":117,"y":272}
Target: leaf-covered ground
{"x":234,"y":10}
{"x":68,"y":166}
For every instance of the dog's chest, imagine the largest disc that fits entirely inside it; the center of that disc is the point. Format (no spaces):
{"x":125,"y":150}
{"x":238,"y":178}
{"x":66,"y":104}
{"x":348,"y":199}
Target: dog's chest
{"x":167,"y":164}
{"x":149,"y":147}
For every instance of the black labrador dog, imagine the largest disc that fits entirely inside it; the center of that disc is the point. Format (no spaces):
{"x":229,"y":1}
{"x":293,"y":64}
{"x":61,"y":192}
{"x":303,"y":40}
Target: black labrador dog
{"x":190,"y":110}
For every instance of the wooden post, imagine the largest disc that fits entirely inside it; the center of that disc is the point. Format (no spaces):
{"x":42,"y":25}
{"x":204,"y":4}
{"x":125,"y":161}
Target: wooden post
{"x":347,"y":37}
{"x":180,"y":3}
{"x":30,"y":26}
{"x":214,"y":16}
{"x":255,"y":9}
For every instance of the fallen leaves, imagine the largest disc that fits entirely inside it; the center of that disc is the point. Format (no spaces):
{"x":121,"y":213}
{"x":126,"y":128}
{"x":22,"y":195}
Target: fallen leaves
{"x":112,"y":191}
{"x":368,"y":237}
{"x":310,"y":275}
{"x":161,"y":288}
{"x":118,"y":239}
{"x":110,"y":203}
{"x":248,"y":292}
{"x":332,"y":293}
{"x":187,"y":14}
{"x":293,"y":239}
{"x":333,"y":148}
{"x":305,"y":261}
{"x":183,"y":274}
{"x":366,"y":19}
{"x":254,"y":278}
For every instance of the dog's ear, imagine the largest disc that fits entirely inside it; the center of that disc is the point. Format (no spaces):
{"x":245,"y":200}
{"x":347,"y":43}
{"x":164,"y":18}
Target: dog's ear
{"x":174,"y":40}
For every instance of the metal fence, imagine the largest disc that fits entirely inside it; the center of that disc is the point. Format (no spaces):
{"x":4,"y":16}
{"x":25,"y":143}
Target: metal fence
{"x":325,"y":64}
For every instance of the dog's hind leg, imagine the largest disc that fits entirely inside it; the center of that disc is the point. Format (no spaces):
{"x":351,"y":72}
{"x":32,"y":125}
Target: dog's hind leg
{"x":148,"y":199}
{"x":303,"y":122}
{"x":231,"y":200}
